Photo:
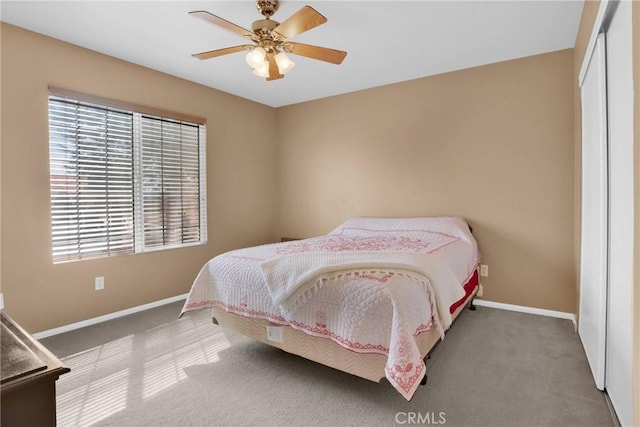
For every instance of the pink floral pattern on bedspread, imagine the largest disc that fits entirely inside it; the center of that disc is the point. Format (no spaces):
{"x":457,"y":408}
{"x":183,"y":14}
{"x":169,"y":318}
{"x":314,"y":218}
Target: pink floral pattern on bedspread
{"x":354,"y":243}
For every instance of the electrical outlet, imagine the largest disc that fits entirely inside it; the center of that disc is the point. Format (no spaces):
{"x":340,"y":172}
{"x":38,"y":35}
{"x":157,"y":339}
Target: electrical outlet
{"x":1,"y":302}
{"x":274,"y":333}
{"x":484,"y":270}
{"x":480,"y":291}
{"x":99,"y":283}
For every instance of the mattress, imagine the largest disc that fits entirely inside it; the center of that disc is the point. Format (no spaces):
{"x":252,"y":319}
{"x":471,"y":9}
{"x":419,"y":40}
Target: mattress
{"x":370,"y":366}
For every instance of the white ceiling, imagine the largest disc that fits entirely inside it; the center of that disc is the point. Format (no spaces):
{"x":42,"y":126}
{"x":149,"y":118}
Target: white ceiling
{"x":386,"y":41}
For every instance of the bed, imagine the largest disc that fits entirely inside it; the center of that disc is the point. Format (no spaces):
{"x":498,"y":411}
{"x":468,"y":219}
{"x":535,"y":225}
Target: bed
{"x":371,"y":298}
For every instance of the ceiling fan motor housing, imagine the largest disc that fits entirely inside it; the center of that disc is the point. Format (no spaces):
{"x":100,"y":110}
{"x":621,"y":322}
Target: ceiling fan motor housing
{"x":264,"y":26}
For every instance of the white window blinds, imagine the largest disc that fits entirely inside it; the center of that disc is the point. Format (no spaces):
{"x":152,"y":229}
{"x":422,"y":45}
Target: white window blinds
{"x":123,"y":182}
{"x":91,"y":180}
{"x":170,"y":182}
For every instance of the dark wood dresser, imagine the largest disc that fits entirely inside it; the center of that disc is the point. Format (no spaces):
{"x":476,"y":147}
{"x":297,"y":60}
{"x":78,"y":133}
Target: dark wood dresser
{"x":28,"y":378}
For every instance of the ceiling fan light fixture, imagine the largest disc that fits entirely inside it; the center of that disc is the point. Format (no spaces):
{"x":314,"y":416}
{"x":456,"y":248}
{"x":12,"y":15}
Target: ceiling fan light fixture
{"x":284,"y":63}
{"x":256,"y":57}
{"x":262,"y":70}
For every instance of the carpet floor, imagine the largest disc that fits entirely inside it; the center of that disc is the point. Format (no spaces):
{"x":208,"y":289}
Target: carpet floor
{"x":494,"y":368}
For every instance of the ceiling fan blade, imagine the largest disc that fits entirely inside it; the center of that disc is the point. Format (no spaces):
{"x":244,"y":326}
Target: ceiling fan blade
{"x":301,"y":21}
{"x":274,"y":71}
{"x":219,"y":52}
{"x":216,"y":20}
{"x":316,"y":52}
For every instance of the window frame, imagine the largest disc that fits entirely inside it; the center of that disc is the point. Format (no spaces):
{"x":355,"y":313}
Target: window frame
{"x":138,"y":113}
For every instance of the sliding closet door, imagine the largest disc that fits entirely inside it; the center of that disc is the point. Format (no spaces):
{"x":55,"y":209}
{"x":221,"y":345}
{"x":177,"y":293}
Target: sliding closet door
{"x":593,"y":262}
{"x":619,"y":370}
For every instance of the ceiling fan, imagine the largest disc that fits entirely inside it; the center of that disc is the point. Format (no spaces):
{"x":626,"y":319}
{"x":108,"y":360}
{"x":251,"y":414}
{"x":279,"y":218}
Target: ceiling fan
{"x":267,"y":54}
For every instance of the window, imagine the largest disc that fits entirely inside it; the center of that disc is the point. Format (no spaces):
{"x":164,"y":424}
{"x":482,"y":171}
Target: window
{"x":122,"y":180}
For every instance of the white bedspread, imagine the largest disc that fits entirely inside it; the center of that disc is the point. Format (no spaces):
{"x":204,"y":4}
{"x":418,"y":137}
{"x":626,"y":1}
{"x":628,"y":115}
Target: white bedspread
{"x":371,"y":285}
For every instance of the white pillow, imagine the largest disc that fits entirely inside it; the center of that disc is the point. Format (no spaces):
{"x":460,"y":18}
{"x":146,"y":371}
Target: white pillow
{"x":372,"y":226}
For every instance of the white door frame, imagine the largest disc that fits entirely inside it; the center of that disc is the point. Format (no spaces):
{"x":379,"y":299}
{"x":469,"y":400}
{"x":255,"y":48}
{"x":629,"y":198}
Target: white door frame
{"x":619,"y":352}
{"x":597,"y":25}
{"x":592,"y":326}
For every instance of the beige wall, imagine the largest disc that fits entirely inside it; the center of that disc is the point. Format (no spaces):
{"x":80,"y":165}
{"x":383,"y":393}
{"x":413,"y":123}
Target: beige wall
{"x":241,"y":182}
{"x":493,"y":144}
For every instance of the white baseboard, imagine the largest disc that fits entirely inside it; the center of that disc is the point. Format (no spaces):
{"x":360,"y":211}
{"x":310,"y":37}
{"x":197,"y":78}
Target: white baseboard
{"x":110,"y":316}
{"x":524,"y":309}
